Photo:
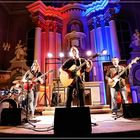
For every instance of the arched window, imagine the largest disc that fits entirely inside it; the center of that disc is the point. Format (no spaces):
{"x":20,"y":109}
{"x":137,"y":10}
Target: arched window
{"x":75,"y":25}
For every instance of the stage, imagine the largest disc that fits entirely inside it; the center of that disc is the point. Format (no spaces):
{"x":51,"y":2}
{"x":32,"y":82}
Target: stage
{"x":103,"y":125}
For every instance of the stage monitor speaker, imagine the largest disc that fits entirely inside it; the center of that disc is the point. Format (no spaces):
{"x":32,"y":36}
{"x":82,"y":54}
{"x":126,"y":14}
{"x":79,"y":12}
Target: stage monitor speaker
{"x":11,"y":116}
{"x":75,"y":121}
{"x":131,"y":110}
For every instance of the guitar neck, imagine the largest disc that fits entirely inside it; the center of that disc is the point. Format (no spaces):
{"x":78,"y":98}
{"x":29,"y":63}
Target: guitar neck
{"x":78,"y":68}
{"x":42,"y":75}
{"x":121,"y":73}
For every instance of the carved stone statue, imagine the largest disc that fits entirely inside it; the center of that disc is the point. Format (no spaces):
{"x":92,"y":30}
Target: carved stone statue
{"x":20,"y":52}
{"x":18,"y":63}
{"x":135,"y":70}
{"x":135,"y":41}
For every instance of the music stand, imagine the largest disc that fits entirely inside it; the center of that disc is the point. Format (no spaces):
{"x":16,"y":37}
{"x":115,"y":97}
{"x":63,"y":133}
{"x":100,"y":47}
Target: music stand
{"x":26,"y":120}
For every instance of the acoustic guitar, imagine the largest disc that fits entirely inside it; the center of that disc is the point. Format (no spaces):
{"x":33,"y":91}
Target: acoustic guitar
{"x":65,"y":78}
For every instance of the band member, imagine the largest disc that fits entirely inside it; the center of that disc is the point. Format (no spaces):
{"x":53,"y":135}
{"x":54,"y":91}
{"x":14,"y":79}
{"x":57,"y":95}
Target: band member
{"x":70,"y":66}
{"x":32,"y":78}
{"x":117,"y":84}
{"x":16,"y":90}
{"x":16,"y":87}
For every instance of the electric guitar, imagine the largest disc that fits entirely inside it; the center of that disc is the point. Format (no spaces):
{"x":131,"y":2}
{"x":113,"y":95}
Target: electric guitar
{"x":29,"y":83}
{"x":65,"y":78}
{"x":38,"y":78}
{"x":115,"y":79}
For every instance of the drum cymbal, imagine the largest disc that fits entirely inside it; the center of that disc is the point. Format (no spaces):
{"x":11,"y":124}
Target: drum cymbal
{"x":16,"y":81}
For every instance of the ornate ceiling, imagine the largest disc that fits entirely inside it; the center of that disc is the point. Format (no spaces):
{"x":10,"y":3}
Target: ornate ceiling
{"x":14,"y":6}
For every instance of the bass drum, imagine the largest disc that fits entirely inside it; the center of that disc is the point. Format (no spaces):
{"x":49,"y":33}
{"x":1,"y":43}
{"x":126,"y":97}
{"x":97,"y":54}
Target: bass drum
{"x":8,"y":103}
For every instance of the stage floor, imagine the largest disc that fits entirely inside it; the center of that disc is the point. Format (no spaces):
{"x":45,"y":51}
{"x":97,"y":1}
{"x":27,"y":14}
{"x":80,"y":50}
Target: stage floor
{"x":103,"y":125}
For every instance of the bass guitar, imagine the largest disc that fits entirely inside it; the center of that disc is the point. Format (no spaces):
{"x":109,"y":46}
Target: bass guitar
{"x":116,"y":78}
{"x":65,"y":78}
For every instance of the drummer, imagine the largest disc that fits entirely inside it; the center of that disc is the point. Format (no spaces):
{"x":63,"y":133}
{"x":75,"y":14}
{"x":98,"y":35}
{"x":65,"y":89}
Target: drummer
{"x":16,"y":88}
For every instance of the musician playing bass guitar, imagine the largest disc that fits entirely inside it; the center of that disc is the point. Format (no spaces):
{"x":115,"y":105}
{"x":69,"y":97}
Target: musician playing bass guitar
{"x":117,"y":83}
{"x":32,"y":80}
{"x":75,"y":75}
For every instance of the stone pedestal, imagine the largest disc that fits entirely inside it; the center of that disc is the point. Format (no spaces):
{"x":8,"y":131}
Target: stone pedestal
{"x":134,"y":77}
{"x":18,"y":68}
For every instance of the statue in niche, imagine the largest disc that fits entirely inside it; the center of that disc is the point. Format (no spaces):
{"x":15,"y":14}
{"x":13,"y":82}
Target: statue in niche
{"x":18,"y":63}
{"x":20,"y":52}
{"x":75,"y":42}
{"x":135,"y":41}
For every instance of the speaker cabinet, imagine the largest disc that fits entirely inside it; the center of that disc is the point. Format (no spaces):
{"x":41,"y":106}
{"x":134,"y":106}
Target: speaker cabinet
{"x":131,"y":110}
{"x":11,"y":116}
{"x":75,"y":121}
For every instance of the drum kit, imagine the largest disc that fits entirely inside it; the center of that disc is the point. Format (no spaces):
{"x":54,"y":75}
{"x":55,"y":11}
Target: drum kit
{"x":13,"y":98}
{"x":16,"y":97}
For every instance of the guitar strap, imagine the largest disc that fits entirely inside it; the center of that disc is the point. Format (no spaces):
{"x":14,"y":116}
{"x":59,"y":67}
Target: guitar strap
{"x":117,"y":69}
{"x":80,"y":61}
{"x":83,"y":74}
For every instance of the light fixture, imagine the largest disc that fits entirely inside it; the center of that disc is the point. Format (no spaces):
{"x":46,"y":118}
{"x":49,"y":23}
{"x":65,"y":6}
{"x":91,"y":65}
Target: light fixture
{"x":70,"y":54}
{"x":61,"y":54}
{"x":104,"y":52}
{"x":89,"y":53}
{"x":50,"y":55}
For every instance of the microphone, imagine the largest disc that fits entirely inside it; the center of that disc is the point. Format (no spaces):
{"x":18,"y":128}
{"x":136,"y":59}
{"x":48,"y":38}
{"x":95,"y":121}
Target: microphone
{"x":95,"y":55}
{"x":103,"y":52}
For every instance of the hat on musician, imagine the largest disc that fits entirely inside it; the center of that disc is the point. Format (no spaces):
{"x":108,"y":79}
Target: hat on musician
{"x":17,"y":80}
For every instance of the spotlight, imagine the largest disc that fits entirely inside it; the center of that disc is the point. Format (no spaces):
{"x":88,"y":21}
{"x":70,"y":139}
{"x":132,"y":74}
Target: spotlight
{"x":89,"y":53}
{"x":50,"y":55}
{"x":104,"y":52}
{"x":61,"y":54}
{"x":70,"y":54}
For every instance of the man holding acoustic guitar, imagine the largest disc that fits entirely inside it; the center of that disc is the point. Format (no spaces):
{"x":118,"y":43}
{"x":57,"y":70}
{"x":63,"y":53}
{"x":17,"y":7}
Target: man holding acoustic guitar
{"x":71,"y":73}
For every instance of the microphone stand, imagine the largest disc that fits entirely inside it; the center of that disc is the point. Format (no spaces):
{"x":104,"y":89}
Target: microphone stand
{"x":77,"y":88}
{"x":26,"y":120}
{"x":77,"y":91}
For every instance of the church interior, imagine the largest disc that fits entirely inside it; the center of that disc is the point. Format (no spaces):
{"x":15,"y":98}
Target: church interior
{"x":44,"y":31}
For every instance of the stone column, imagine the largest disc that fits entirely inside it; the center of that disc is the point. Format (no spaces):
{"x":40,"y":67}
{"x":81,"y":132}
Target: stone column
{"x":108,"y":41}
{"x":43,"y":52}
{"x":114,"y":39}
{"x":37,"y":49}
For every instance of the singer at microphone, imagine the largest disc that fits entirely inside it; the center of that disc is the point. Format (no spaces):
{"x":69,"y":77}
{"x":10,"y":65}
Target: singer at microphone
{"x":71,"y":76}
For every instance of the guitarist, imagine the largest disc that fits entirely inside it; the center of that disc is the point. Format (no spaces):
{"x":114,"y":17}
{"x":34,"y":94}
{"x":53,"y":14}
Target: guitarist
{"x":77,"y":83}
{"x":120,"y":84}
{"x":33,"y":86}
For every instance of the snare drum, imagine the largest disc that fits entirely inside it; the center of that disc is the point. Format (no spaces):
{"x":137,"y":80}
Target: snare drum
{"x":22,"y":96}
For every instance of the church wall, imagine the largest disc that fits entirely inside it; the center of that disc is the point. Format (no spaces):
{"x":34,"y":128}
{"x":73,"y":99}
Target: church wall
{"x":13,"y":28}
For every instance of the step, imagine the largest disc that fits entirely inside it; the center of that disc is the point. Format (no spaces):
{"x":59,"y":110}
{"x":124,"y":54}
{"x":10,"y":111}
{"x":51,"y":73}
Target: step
{"x":98,"y":106}
{"x":100,"y":111}
{"x":94,"y":109}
